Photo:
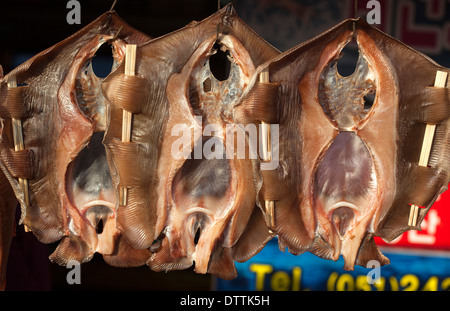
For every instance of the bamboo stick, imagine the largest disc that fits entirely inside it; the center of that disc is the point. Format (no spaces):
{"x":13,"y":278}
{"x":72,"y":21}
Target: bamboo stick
{"x":19,"y":145}
{"x":440,"y":81}
{"x":267,"y":156}
{"x":127,"y":117}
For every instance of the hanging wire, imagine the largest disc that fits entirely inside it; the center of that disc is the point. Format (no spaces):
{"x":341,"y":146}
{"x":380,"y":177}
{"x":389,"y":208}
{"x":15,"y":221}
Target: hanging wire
{"x":116,"y":34}
{"x":113,"y":5}
{"x":355,"y":16}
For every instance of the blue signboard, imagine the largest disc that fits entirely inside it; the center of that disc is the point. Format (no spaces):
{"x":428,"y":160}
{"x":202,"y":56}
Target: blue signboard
{"x":272,"y":269}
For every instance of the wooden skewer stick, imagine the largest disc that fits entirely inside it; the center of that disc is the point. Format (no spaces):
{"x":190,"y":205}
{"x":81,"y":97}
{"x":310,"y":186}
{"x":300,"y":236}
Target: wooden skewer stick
{"x":440,"y":81}
{"x":19,"y":145}
{"x":127,"y":117}
{"x":264,"y":77}
{"x":267,"y":155}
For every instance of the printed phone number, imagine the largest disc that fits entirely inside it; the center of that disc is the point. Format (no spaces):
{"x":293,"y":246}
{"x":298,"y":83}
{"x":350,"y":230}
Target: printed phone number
{"x":407,"y":282}
{"x":268,"y":279}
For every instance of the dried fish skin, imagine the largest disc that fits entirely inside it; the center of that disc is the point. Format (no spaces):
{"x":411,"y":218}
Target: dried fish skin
{"x":169,"y":201}
{"x":348,"y":171}
{"x":60,"y":90}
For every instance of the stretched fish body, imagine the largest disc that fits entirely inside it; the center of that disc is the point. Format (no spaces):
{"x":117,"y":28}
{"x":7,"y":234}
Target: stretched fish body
{"x":197,"y":189}
{"x":189,"y":196}
{"x":348,"y":167}
{"x":58,"y":99}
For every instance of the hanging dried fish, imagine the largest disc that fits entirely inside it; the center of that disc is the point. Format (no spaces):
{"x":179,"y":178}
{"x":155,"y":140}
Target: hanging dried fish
{"x":194,"y":206}
{"x":349,"y":169}
{"x":138,"y":166}
{"x":63,"y":117}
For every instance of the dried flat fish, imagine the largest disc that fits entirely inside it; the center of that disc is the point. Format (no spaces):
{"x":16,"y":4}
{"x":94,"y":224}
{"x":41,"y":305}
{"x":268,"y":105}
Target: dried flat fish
{"x":349,"y":167}
{"x":187,"y":207}
{"x":58,"y":98}
{"x":349,"y":148}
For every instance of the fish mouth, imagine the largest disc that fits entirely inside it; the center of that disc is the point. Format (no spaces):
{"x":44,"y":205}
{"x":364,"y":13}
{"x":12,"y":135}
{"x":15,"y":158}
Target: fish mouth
{"x":202,"y":191}
{"x":99,"y":212}
{"x":341,"y":233}
{"x":90,"y":192}
{"x":336,"y":229}
{"x":89,"y":185}
{"x":343,"y":216}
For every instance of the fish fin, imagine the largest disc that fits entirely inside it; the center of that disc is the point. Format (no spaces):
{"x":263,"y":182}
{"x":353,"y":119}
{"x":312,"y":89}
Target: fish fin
{"x":429,"y":180}
{"x":426,"y":182}
{"x":253,"y":239}
{"x":440,"y":150}
{"x":395,"y":222}
{"x":221,"y":264}
{"x":290,"y":227}
{"x":431,"y":104}
{"x":163,"y":260}
{"x":135,"y":222}
{"x":273,"y":188}
{"x":259,"y":105}
{"x":126,"y":256}
{"x":322,"y":249}
{"x":369,"y":251}
{"x":71,"y":248}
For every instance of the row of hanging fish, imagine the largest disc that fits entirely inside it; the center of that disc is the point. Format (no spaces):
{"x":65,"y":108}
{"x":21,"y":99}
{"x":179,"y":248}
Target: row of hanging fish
{"x":344,"y":171}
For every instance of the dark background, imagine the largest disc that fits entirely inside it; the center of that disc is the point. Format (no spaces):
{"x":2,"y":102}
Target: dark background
{"x":30,"y":26}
